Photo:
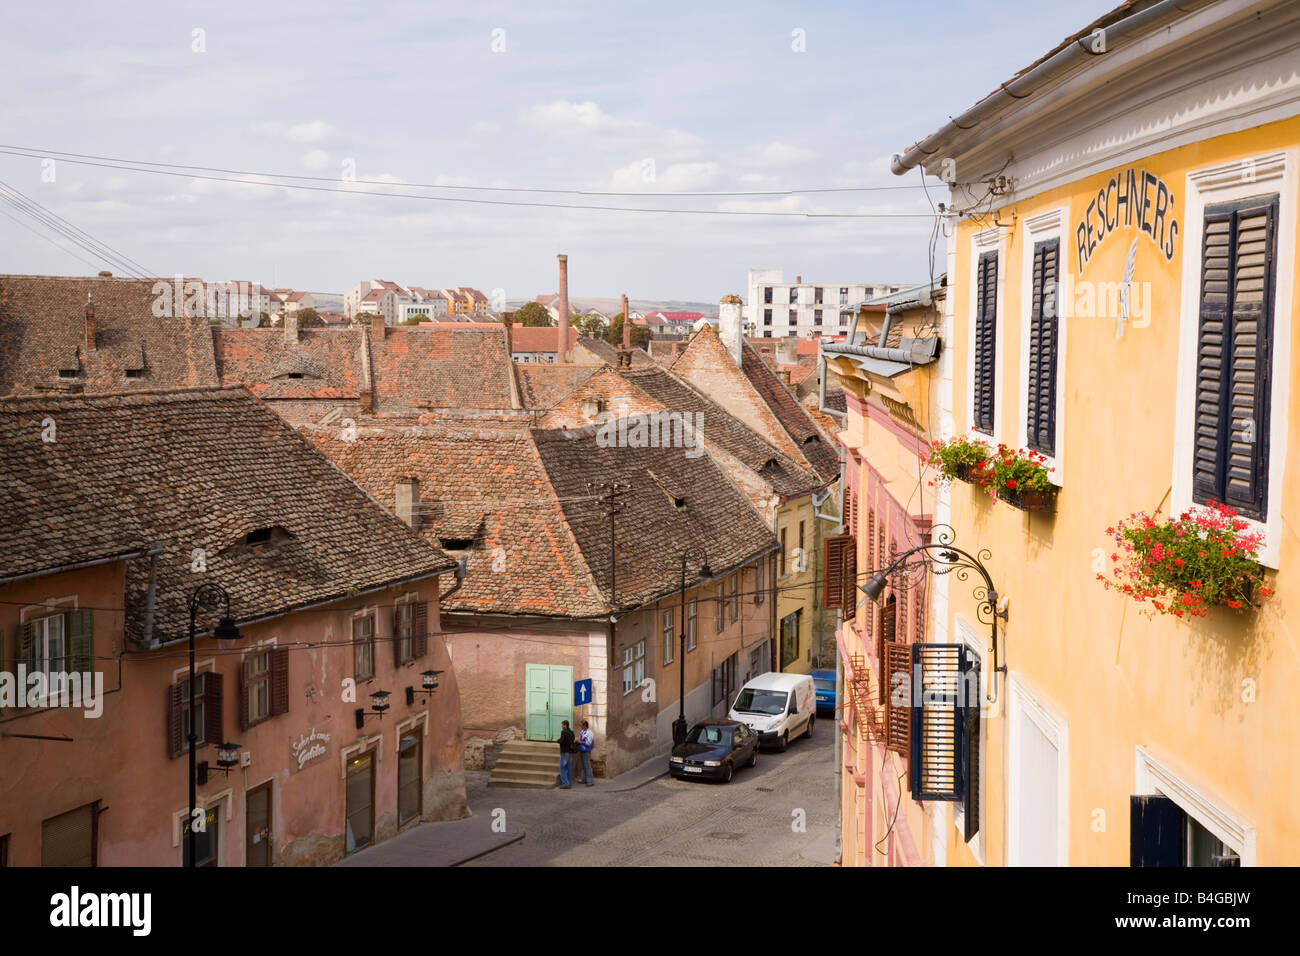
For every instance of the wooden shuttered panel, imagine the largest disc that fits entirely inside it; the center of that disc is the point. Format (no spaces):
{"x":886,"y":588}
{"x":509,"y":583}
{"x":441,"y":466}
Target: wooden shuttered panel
{"x":279,"y":681}
{"x":841,"y":568}
{"x":80,"y":628}
{"x":245,"y":694}
{"x":69,"y":838}
{"x":420,"y":629}
{"x":986,"y":309}
{"x":1234,"y":355}
{"x":971,"y":801}
{"x":175,"y":727}
{"x":938,"y":762}
{"x":393,"y":630}
{"x":1043,"y":333}
{"x":870,"y":606}
{"x":213,"y":728}
{"x":896,"y":671}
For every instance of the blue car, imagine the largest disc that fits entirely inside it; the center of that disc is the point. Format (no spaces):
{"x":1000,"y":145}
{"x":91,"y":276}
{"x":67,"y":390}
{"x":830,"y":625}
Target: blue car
{"x":824,"y":681}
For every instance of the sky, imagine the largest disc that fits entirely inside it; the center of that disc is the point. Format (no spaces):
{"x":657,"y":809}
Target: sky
{"x":642,"y":98}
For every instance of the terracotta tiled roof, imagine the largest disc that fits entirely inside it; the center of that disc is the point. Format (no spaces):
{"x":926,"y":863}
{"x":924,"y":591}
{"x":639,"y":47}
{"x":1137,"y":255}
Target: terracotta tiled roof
{"x":321,"y":363}
{"x":784,"y":474}
{"x":794,"y":418}
{"x":194,"y":470}
{"x":43,"y":332}
{"x":609,"y":353}
{"x":835,"y":400}
{"x":415,"y":367}
{"x":539,"y":338}
{"x":541,"y":385}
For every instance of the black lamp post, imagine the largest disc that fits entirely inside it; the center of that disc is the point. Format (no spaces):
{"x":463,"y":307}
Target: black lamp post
{"x":205,"y":595}
{"x":679,"y":725}
{"x":940,"y":556}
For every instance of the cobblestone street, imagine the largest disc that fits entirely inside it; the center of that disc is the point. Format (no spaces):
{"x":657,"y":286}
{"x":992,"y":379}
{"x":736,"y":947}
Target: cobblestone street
{"x":749,"y":822}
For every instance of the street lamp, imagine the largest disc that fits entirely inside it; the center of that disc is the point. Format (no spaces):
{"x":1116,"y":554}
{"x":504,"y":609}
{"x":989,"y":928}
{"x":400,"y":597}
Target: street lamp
{"x":208,"y":594}
{"x":940,"y":556}
{"x":679,"y":725}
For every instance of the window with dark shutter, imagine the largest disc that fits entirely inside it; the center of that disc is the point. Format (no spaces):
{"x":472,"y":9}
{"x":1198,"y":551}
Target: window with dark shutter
{"x":986,"y":309}
{"x":175,"y":724}
{"x":840,"y":571}
{"x":938,"y":763}
{"x":1157,"y":832}
{"x":896,"y":673}
{"x":1234,"y":355}
{"x":81,"y":641}
{"x":1043,"y":331}
{"x":279,"y":681}
{"x":420,"y":629}
{"x":971,"y":803}
{"x":888,"y":620}
{"x":212,"y":724}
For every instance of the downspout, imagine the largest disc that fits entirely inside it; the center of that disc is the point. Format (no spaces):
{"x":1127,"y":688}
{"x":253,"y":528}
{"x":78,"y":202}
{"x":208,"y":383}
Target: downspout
{"x":460,"y":581}
{"x":146,"y":639}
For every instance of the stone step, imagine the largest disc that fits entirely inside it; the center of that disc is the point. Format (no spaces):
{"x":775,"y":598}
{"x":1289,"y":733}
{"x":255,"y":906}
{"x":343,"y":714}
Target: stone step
{"x":534,"y":779}
{"x":516,"y":762}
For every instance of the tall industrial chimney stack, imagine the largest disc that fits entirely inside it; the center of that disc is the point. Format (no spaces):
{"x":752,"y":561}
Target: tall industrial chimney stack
{"x":563,"y":354}
{"x":627,"y":324}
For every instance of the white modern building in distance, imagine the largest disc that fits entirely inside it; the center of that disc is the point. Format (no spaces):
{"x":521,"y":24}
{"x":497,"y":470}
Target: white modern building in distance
{"x":775,"y":308}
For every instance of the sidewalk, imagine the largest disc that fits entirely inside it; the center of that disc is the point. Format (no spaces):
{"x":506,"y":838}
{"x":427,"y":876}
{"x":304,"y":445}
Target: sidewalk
{"x":448,"y":843}
{"x":637,"y":777}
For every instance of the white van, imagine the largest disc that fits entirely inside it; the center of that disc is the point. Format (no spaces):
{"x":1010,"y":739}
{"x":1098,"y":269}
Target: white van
{"x":777,"y":707}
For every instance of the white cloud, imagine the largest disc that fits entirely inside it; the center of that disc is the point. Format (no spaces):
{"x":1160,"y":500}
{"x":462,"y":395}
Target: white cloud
{"x":484,"y":129}
{"x":779,"y":154}
{"x":316,"y":159}
{"x":594,"y":127}
{"x":675,"y":177}
{"x":314,"y":132}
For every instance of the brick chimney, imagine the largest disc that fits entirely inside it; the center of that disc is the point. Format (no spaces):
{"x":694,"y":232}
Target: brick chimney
{"x":627,"y":324}
{"x":508,"y":320}
{"x":378,"y":327}
{"x":90,"y":323}
{"x":290,"y":328}
{"x":798,"y":280}
{"x":407,"y":501}
{"x":729,"y":325}
{"x":563,"y":324}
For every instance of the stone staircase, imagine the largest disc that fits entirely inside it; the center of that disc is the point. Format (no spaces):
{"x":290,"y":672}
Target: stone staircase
{"x":532,"y":764}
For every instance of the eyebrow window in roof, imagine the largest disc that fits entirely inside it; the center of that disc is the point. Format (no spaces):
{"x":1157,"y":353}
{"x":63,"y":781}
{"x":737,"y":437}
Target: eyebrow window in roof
{"x":456,"y":544}
{"x":261,"y":537}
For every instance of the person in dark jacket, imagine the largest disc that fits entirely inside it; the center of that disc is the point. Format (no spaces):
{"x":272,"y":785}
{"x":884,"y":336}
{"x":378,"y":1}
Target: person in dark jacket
{"x":566,"y":754}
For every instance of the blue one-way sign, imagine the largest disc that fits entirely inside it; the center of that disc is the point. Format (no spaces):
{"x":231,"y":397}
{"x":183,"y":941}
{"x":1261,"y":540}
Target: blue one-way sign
{"x":582,"y":692}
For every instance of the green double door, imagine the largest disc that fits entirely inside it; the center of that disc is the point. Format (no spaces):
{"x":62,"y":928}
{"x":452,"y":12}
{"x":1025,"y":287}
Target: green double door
{"x":550,"y":700}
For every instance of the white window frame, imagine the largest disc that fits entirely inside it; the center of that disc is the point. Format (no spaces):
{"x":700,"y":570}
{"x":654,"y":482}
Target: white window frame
{"x":692,"y":623}
{"x":667,"y":627}
{"x":1274,"y":172}
{"x":1045,"y":227}
{"x":1022,"y":701}
{"x":372,"y":613}
{"x":974,"y":644}
{"x":990,"y":240}
{"x":633,"y":662}
{"x":1153,"y":776}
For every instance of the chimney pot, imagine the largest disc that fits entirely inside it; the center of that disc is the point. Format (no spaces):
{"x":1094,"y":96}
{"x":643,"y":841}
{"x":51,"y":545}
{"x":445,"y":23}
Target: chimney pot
{"x":290,"y":328}
{"x":378,"y":326}
{"x":407,"y":500}
{"x":627,"y":324}
{"x":508,"y":320}
{"x":90,"y":323}
{"x":729,"y":325}
{"x":798,"y":280}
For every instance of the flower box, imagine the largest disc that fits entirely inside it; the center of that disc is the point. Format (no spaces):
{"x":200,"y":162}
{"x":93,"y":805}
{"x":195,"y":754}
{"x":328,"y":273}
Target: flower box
{"x":1030,"y":499}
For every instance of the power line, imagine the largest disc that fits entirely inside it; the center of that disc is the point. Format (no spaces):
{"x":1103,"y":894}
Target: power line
{"x":38,"y":153}
{"x":40,"y":235}
{"x":56,"y":223}
{"x":491,"y":202}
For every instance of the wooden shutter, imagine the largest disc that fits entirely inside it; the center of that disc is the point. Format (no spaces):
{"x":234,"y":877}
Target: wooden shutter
{"x":245,"y":693}
{"x":1157,"y":832}
{"x":938,"y":764}
{"x":175,"y":729}
{"x":896,"y":659}
{"x":420,"y":629}
{"x":886,"y":635}
{"x":279,"y":681}
{"x":213,"y":728}
{"x":26,"y":646}
{"x":971,"y":803}
{"x":1043,"y":326}
{"x":80,"y":626}
{"x":986,"y":309}
{"x":901,"y":632}
{"x":397,"y":643}
{"x":1234,"y":355}
{"x":837,"y":551}
{"x":69,"y":838}
{"x":871,"y":563}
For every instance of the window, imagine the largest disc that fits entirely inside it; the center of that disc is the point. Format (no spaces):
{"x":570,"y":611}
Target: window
{"x":692,"y":615}
{"x":668,"y":635}
{"x":204,"y":707}
{"x":801,"y":562}
{"x":844,"y":296}
{"x":724,"y":681}
{"x":359,"y":802}
{"x":733,"y":596}
{"x":760,"y":659}
{"x":767,"y":316}
{"x":363,"y":647}
{"x":633,"y":666}
{"x":408,"y":778}
{"x":839,"y":581}
{"x":844,"y":318}
{"x":817,"y":316}
{"x":264,"y":686}
{"x":817,"y":295}
{"x":1041,"y":408}
{"x":767,"y":295}
{"x":258,"y":675}
{"x":790,"y":638}
{"x":71,"y":839}
{"x":794,"y":316}
{"x":48,"y":649}
{"x":403,"y":629}
{"x":760,"y":580}
{"x":192,"y":710}
{"x":1234,"y":355}
{"x":719,"y":610}
{"x":794,"y":295}
{"x":58,"y":644}
{"x":986,"y":307}
{"x":205,"y":840}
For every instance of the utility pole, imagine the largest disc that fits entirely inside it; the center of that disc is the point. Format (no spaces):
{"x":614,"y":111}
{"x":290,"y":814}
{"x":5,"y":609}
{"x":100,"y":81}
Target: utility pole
{"x":608,"y":493}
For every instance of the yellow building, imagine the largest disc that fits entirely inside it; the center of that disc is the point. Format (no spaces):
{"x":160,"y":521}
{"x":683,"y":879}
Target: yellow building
{"x":1121,"y":300}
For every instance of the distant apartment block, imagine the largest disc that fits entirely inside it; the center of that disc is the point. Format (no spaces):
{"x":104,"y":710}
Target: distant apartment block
{"x":398,"y":304}
{"x":236,"y":299}
{"x":776,"y":308}
{"x":288,"y":300}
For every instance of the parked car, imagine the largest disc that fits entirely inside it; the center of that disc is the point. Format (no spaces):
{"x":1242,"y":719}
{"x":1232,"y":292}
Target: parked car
{"x":777,"y":707}
{"x":824,"y":683}
{"x":713,"y":750}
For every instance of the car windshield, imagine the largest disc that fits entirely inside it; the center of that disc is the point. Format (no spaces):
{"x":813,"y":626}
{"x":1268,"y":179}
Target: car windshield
{"x":755,"y":701}
{"x":709,"y":735}
{"x":824,"y":684}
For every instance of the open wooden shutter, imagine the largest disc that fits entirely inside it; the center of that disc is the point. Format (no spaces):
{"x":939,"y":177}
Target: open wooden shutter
{"x":1234,"y":355}
{"x":971,"y":803}
{"x":1041,"y":417}
{"x":245,"y":692}
{"x":175,"y":730}
{"x":26,"y":646}
{"x":1157,"y":832}
{"x":397,"y":641}
{"x":420,"y":629}
{"x":81,"y":640}
{"x":938,"y":764}
{"x":839,"y":553}
{"x":279,"y":681}
{"x":896,"y":691}
{"x":986,"y":308}
{"x":213,"y":727}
